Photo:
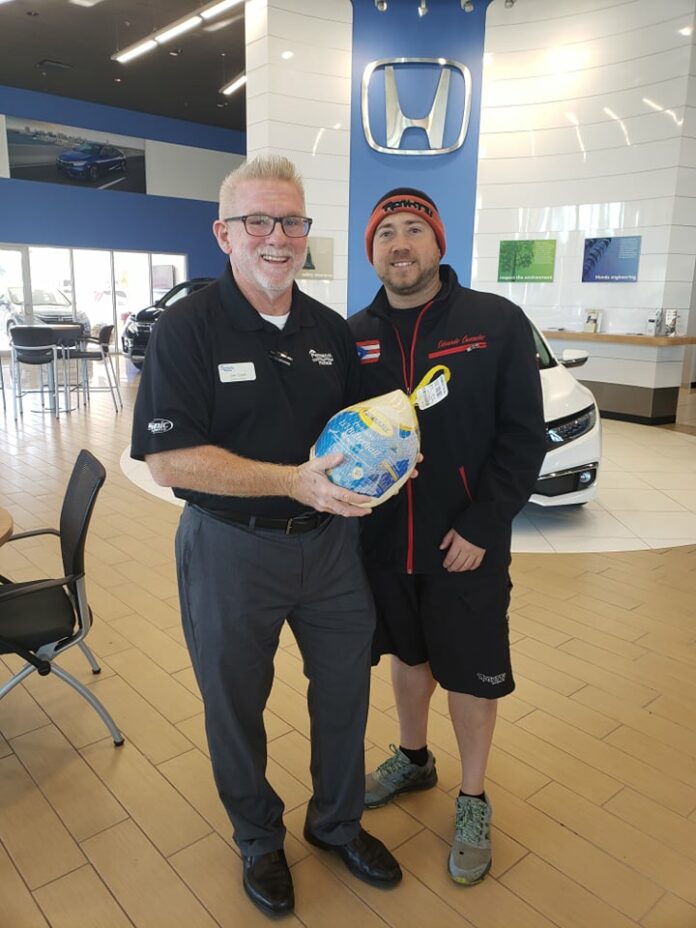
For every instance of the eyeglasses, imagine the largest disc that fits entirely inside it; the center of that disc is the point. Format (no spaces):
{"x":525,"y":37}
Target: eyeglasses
{"x":260,"y":224}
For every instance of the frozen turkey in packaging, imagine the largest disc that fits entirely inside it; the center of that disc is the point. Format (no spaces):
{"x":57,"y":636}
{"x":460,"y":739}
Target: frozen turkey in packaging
{"x":379,"y":440}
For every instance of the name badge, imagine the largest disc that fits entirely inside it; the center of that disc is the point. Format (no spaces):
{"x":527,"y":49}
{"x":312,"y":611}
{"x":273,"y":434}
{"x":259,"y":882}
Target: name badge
{"x":235,"y":373}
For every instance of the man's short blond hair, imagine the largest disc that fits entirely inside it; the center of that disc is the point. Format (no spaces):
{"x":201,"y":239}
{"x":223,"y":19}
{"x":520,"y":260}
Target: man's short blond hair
{"x":263,"y":167}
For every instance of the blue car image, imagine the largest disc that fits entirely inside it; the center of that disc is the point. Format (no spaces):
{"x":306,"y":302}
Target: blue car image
{"x":91,"y":160}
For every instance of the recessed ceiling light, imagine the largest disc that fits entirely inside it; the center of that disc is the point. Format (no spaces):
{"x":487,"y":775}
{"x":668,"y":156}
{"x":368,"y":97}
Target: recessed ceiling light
{"x":118,"y":80}
{"x":287,"y":55}
{"x":175,"y":52}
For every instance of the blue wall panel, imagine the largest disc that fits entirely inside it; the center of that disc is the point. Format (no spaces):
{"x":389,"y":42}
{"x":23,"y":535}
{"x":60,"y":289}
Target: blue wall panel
{"x":446,"y":32}
{"x":52,"y":214}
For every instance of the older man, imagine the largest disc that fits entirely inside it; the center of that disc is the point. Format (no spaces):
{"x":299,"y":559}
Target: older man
{"x":238,"y":382}
{"x":438,"y":554}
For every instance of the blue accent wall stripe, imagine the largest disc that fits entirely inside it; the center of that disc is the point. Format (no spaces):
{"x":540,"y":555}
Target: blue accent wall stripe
{"x":70,"y":112}
{"x":35,"y":213}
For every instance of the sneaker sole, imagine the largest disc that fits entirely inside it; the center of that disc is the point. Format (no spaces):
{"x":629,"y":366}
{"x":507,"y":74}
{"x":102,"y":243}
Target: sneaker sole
{"x":462,"y":881}
{"x":428,"y":784}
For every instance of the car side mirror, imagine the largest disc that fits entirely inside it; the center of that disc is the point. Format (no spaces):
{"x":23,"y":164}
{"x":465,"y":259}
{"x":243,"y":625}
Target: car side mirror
{"x":573,"y":357}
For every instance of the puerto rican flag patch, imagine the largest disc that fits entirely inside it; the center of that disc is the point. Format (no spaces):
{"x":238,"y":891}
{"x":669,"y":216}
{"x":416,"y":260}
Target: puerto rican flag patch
{"x":368,"y":352}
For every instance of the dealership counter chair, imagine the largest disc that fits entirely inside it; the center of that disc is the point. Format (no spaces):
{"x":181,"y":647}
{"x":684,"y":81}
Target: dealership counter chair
{"x":34,"y":345}
{"x":40,"y":619}
{"x":100,"y":352}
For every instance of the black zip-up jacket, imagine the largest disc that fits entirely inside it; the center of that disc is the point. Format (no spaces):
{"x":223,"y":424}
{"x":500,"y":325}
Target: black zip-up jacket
{"x":483,"y":444}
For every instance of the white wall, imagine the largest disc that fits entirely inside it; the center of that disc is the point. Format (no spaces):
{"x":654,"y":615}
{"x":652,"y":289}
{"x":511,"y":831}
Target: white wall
{"x":300,"y":107}
{"x":588,"y":128}
{"x":184,"y":171}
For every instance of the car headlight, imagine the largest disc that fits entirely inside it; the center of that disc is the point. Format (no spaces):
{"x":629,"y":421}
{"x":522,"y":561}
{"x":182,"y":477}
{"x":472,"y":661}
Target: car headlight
{"x":132,"y":328}
{"x":561,"y":431}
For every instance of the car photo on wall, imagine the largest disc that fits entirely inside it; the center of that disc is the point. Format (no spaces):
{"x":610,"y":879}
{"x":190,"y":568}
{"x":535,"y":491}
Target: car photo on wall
{"x":56,"y":154}
{"x":91,"y":160}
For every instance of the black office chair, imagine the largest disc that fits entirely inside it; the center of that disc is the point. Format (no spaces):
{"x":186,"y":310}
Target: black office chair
{"x":34,"y":345}
{"x":85,"y":354}
{"x":40,"y":619}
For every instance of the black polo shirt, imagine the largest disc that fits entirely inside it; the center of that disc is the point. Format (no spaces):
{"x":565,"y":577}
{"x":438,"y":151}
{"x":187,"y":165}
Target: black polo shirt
{"x":216,"y":373}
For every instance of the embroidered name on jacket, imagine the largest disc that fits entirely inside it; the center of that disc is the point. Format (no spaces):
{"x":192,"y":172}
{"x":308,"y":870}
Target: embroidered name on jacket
{"x":369,"y":351}
{"x":457,"y":345}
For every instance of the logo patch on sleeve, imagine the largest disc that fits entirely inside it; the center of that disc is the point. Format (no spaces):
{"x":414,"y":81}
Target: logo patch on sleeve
{"x":158,"y":426}
{"x":369,"y":351}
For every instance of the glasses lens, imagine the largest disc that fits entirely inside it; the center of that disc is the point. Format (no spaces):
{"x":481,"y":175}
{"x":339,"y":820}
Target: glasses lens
{"x":259,"y":224}
{"x":295,"y":226}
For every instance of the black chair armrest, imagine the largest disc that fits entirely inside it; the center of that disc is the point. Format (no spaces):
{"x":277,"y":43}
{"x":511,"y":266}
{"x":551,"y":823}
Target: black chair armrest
{"x":36,"y":586}
{"x":36,"y":531}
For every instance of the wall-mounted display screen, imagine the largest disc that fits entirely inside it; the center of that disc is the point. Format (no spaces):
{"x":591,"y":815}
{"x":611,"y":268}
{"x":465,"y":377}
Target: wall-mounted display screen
{"x":611,"y":259}
{"x":57,"y":154}
{"x":530,"y":260}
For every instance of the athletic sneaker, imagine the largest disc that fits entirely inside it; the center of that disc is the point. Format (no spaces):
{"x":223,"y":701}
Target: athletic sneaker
{"x":470,"y":857}
{"x":397,"y":775}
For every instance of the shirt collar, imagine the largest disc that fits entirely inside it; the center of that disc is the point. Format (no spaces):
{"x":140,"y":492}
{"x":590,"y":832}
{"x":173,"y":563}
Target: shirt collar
{"x":247,"y":319}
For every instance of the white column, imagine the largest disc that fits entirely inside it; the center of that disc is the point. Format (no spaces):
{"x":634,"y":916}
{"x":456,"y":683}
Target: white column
{"x":298,"y":59}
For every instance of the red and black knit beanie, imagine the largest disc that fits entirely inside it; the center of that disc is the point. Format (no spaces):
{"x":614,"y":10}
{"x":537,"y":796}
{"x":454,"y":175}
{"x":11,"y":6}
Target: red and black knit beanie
{"x":405,"y":200}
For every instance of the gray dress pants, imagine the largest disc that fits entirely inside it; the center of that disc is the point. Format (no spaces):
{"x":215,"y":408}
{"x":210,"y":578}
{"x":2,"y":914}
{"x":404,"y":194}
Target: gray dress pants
{"x":237,"y":587}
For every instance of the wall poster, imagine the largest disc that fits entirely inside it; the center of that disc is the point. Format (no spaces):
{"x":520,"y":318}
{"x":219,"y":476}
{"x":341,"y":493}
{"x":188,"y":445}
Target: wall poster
{"x":611,"y":259}
{"x":57,"y":154}
{"x":530,"y":260}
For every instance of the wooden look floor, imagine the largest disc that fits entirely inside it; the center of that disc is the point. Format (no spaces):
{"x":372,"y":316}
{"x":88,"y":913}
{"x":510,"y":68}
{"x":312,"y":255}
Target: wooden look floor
{"x":592,"y":774}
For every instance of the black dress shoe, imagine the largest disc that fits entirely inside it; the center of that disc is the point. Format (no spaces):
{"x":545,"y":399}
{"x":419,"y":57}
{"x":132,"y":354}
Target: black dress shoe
{"x":365,"y":856}
{"x":268,"y":883}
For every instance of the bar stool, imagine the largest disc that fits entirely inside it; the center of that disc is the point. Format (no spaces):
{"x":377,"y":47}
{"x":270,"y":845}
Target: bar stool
{"x":85,"y":354}
{"x":35,"y":346}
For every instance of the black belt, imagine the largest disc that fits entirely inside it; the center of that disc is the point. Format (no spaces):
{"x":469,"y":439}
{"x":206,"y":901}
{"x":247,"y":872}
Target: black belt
{"x":305,"y":522}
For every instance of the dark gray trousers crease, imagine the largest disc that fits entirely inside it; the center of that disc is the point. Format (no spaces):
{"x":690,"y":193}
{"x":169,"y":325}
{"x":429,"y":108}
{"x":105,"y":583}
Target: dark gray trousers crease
{"x":237,"y":587}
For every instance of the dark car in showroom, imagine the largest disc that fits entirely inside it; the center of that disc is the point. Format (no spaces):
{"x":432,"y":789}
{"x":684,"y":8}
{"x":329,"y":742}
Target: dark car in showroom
{"x":91,"y":160}
{"x":139,"y":325}
{"x":50,"y":307}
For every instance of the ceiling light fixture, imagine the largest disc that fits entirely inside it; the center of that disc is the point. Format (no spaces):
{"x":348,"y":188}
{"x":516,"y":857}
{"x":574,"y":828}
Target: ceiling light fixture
{"x":174,"y":29}
{"x":509,"y":4}
{"x":381,"y":6}
{"x":134,"y":51}
{"x":422,"y":8}
{"x":214,"y":9}
{"x":468,"y":6}
{"x":286,"y":56}
{"x":239,"y":81}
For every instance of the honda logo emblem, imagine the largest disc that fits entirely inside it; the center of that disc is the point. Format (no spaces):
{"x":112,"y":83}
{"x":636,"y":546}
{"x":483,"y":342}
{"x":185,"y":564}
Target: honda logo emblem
{"x":396,"y":121}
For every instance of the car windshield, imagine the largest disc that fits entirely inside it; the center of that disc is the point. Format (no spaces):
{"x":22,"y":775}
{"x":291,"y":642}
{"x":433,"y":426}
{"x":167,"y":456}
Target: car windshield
{"x":544,"y":356}
{"x":48,"y":297}
{"x":88,"y":148}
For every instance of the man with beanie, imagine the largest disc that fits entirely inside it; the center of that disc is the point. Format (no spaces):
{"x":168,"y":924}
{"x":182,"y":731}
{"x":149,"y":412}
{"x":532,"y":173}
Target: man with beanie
{"x":438,"y":554}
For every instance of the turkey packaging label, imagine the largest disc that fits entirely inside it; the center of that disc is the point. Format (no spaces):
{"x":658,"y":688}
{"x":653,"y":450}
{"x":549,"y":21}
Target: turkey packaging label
{"x":379,"y":440}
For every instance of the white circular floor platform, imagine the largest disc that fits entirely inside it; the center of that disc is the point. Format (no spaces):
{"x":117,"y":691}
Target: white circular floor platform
{"x":646,"y":497}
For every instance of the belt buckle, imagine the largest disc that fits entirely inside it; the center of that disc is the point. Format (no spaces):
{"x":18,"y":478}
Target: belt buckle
{"x":288,"y":527}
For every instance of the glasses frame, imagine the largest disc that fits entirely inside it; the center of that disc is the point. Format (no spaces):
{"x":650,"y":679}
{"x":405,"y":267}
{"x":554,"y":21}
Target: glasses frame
{"x":276,"y":220}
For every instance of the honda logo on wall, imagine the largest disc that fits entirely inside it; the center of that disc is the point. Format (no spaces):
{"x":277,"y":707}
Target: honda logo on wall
{"x":444,"y":124}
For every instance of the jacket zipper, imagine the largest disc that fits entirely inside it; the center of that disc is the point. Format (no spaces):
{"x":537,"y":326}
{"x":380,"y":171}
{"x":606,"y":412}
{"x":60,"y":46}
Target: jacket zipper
{"x":408,"y":385}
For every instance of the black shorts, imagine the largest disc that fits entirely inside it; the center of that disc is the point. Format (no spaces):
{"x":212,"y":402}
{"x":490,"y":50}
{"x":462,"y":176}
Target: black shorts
{"x":458,"y":622}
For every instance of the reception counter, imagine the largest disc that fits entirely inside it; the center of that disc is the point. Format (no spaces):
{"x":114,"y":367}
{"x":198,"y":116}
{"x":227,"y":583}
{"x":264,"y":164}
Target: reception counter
{"x":633,"y":377}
